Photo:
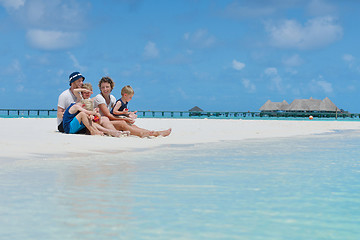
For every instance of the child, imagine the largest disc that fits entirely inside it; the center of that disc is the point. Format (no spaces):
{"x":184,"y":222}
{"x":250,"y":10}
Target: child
{"x":120,"y":108}
{"x":77,"y":118}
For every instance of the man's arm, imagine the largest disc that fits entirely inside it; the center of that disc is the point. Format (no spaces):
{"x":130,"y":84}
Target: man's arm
{"x":60,"y":112}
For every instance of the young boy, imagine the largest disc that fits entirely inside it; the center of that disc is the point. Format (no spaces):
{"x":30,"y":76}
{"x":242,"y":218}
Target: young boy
{"x":77,"y":118}
{"x":120,"y":108}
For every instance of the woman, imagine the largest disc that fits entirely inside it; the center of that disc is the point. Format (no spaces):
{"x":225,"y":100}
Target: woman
{"x":105,"y":102}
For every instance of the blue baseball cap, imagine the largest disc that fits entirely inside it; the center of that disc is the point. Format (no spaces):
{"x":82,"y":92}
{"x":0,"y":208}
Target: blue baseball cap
{"x":75,"y":76}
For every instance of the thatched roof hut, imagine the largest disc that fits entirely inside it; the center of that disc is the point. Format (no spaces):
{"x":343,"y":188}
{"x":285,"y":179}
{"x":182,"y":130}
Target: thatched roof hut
{"x":270,"y":106}
{"x":196,"y":109}
{"x":328,"y":106}
{"x":305,"y":105}
{"x":312,"y":105}
{"x":301,"y":105}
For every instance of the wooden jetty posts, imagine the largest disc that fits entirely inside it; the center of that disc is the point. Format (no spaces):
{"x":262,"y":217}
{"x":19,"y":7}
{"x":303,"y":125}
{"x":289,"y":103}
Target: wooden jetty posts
{"x":191,"y":114}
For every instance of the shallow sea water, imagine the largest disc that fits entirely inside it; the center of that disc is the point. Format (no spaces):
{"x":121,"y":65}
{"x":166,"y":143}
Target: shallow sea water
{"x":298,"y":188}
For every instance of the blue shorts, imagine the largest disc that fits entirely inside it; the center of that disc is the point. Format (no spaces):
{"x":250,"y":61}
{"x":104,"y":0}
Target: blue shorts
{"x":75,"y":126}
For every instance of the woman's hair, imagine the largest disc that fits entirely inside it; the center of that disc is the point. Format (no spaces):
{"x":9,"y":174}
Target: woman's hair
{"x":107,"y":80}
{"x":127,"y":90}
{"x":87,"y":86}
{"x":88,"y":104}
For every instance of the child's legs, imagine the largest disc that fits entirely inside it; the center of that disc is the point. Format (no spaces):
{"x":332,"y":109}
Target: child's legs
{"x":83,"y":117}
{"x":112,"y":132}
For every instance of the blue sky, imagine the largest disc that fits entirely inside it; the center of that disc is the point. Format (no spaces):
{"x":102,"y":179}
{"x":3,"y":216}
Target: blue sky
{"x":219,"y":55}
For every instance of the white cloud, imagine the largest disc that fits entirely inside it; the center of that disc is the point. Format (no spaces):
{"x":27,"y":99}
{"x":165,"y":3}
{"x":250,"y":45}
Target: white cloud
{"x":237,"y":65}
{"x":248,"y":85}
{"x":292,"y":61}
{"x":150,"y":50}
{"x":14,"y":71}
{"x":348,"y":58}
{"x":15,"y":67}
{"x":52,"y":40}
{"x":66,"y":15}
{"x":56,"y":20}
{"x":275,"y":79}
{"x":12,"y":4}
{"x":201,"y":38}
{"x":351,"y":61}
{"x":321,"y":85}
{"x":182,"y":93}
{"x":315,"y":33}
{"x":271,"y":71}
{"x":76,"y":63}
{"x":326,"y":86}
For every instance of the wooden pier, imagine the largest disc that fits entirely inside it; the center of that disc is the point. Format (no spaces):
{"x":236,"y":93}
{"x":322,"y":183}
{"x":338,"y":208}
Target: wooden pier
{"x":191,"y":114}
{"x":28,"y":112}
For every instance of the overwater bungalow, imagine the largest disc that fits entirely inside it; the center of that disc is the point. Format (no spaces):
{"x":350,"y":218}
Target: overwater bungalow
{"x":312,"y":105}
{"x":196,"y":109}
{"x":270,"y":106}
{"x":300,"y":107}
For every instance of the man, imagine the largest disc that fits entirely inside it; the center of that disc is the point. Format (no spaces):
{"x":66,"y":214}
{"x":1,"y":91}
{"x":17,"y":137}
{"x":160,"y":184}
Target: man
{"x":67,"y":97}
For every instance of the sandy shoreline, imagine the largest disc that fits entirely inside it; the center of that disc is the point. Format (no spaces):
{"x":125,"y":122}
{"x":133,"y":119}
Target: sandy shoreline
{"x":36,"y":137}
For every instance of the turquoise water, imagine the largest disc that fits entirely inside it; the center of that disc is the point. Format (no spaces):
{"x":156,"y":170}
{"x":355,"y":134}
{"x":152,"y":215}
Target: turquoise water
{"x":300,"y":188}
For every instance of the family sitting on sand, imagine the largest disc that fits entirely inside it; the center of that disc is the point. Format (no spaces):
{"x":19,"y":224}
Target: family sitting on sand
{"x":102,"y":115}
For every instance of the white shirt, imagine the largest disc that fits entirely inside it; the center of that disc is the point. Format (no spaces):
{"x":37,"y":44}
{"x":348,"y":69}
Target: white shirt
{"x":99,"y":99}
{"x":65,"y":99}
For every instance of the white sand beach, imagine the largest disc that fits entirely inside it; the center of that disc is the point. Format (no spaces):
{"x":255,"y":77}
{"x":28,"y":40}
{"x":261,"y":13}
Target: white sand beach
{"x":37,"y":137}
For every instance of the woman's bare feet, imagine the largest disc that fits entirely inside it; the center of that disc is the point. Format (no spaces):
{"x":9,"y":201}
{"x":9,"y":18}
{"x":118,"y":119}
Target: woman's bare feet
{"x":161,"y":133}
{"x":165,"y":133}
